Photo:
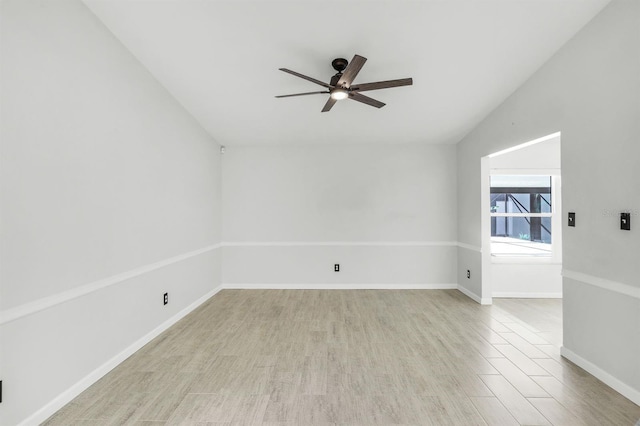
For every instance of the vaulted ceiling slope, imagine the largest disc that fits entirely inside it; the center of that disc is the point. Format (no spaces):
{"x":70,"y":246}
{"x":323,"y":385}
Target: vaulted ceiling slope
{"x":220,"y":60}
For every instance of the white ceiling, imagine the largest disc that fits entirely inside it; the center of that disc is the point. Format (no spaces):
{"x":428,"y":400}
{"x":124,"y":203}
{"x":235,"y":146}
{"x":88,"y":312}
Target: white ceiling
{"x":220,"y":60}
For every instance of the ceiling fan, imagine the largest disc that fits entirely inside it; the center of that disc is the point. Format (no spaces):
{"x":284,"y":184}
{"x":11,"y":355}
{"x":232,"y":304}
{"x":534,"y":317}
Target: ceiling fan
{"x":341,"y":85}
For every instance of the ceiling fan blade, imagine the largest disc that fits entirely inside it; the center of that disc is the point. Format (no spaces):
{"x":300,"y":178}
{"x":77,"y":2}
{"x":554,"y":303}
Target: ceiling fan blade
{"x":299,"y":94}
{"x":365,"y":100}
{"x":313,"y":80}
{"x":330,"y":103}
{"x":382,"y":84}
{"x":349,"y":74}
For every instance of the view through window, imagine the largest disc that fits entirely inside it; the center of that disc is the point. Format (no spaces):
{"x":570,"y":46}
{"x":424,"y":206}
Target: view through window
{"x":521,"y":210}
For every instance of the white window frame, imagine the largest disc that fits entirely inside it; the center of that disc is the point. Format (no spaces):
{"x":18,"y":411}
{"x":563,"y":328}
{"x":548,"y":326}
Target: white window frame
{"x":555,"y":215}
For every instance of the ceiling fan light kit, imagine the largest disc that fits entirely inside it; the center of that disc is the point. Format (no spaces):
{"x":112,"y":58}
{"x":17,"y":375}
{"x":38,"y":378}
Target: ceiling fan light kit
{"x":339,"y":94}
{"x":341,"y":84}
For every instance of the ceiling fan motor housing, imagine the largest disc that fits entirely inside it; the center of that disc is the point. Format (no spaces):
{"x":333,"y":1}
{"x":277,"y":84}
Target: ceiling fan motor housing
{"x":335,"y":79}
{"x":339,"y":64}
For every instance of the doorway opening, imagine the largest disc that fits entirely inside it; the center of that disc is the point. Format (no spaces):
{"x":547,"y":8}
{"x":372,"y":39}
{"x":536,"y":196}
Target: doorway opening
{"x":522,"y":221}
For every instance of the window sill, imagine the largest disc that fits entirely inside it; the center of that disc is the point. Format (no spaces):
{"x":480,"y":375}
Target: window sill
{"x":525,"y":259}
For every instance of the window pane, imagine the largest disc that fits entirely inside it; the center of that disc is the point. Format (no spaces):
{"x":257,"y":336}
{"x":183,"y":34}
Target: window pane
{"x":522,"y":228}
{"x":527,"y":236}
{"x":518,"y":203}
{"x":520,"y":194}
{"x":545,"y":203}
{"x":498,"y":203}
{"x":521,"y":236}
{"x":520,"y":181}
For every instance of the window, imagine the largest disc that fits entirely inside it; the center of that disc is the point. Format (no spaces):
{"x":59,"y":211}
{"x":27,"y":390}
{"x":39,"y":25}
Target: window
{"x":521,"y":213}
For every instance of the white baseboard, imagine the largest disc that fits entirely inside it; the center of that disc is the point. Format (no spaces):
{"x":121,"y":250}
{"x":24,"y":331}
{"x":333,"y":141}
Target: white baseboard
{"x":65,"y":397}
{"x":516,"y":295}
{"x":473,"y":296}
{"x":615,"y":383}
{"x":311,"y":286}
{"x":339,"y":243}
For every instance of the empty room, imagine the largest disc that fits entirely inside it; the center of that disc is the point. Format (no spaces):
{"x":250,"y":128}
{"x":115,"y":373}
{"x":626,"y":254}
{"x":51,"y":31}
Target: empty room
{"x":319,"y":212}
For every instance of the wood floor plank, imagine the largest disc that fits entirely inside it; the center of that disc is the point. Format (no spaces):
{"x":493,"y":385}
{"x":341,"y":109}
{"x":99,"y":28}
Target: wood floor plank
{"x":552,"y":351}
{"x":518,"y":406}
{"x":519,"y":380}
{"x":523,"y":345}
{"x":589,"y":403}
{"x":527,"y":365}
{"x":493,"y":412}
{"x":370,"y":357}
{"x":159,"y":407}
{"x":472,"y":385}
{"x":555,"y":412}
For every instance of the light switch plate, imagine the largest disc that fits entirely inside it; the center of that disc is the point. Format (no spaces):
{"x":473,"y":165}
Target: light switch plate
{"x":625,"y":221}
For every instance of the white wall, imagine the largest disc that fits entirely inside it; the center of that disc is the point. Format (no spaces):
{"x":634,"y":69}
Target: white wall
{"x":536,"y":279}
{"x":591,"y":92}
{"x":537,"y":159}
{"x":530,"y":277}
{"x":386,"y":214}
{"x":110,"y":197}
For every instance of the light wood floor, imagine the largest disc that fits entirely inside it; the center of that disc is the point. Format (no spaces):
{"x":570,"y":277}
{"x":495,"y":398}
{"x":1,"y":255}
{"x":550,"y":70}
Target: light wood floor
{"x":353,"y":357}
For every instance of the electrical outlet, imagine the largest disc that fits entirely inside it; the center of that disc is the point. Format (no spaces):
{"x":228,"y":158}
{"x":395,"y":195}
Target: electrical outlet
{"x":469,"y":273}
{"x":336,"y":267}
{"x":166,"y":298}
